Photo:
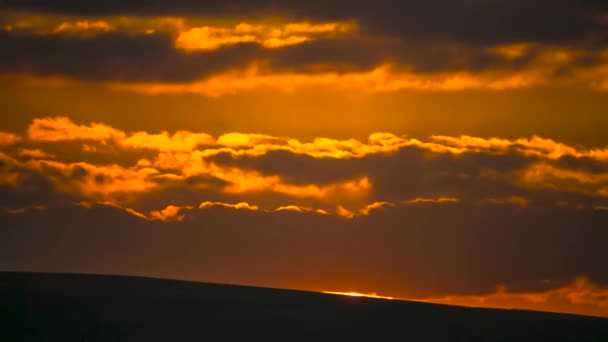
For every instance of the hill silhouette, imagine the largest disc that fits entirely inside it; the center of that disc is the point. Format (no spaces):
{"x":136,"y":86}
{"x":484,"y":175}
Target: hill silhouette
{"x":79,"y":307}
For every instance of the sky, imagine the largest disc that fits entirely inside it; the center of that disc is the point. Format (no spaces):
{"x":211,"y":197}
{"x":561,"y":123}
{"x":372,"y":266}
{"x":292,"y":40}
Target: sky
{"x":451,"y":152}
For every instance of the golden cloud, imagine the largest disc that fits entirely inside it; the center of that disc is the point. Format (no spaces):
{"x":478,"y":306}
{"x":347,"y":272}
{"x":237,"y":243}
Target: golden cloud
{"x":515,"y":200}
{"x":544,"y":175}
{"x":535,"y":146}
{"x":419,"y":200}
{"x":83,"y":27}
{"x":7,"y":138}
{"x":243,"y":181}
{"x":188,"y":32}
{"x":61,"y":128}
{"x":239,"y":205}
{"x":243,"y":139}
{"x":175,"y":213}
{"x":300,"y":209}
{"x":34,"y":153}
{"x":98,"y":182}
{"x":511,"y":51}
{"x":179,"y":141}
{"x":580,"y":297}
{"x":183,"y":155}
{"x":212,"y":38}
{"x":547,"y":67}
{"x":364,"y":211}
{"x":170,"y":213}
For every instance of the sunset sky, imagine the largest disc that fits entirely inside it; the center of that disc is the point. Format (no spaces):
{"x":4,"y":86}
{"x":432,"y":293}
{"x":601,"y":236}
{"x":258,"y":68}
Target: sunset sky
{"x":448,"y":151}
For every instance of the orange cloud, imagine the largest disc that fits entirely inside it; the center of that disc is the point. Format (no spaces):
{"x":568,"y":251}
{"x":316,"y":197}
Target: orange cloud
{"x":300,"y":209}
{"x":516,"y":200}
{"x":83,"y":27}
{"x":89,"y":205}
{"x":34,"y":153}
{"x":245,"y":140}
{"x":238,"y":144}
{"x":511,"y":51}
{"x":180,"y":141}
{"x":431,"y":200}
{"x":240,"y":205}
{"x":98,"y":182}
{"x":7,"y":138}
{"x":535,"y":146}
{"x":364,"y":211}
{"x":173,"y":213}
{"x":580,"y":297}
{"x":212,"y":38}
{"x":544,"y":175}
{"x":184,"y":154}
{"x":374,"y":206}
{"x":8,"y":176}
{"x":546,"y":68}
{"x":61,"y":128}
{"x":170,"y":213}
{"x":243,"y":181}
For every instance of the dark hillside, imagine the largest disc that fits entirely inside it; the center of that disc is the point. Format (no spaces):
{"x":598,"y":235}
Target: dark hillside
{"x":37,"y":306}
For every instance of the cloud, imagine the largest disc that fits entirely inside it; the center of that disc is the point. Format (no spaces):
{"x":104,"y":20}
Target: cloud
{"x":170,"y":213}
{"x":300,"y":209}
{"x":179,"y":141}
{"x":252,"y":144}
{"x":431,"y":200}
{"x":296,"y":53}
{"x":535,"y":146}
{"x":248,"y":181}
{"x":34,"y":153}
{"x":244,"y":140}
{"x":488,"y":22}
{"x":364,"y":211}
{"x":209,"y":38}
{"x":116,"y":56}
{"x":212,"y":38}
{"x":515,"y":200}
{"x":511,"y":51}
{"x":83,"y":27}
{"x":61,"y":128}
{"x":240,"y":205}
{"x":545,"y":175}
{"x":99,"y":182}
{"x":344,"y":177}
{"x":579,"y":297}
{"x":7,"y":138}
{"x":555,"y":66}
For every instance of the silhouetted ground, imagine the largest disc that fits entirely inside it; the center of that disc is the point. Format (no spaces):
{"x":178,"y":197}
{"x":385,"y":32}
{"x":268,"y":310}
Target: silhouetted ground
{"x":76,"y":307}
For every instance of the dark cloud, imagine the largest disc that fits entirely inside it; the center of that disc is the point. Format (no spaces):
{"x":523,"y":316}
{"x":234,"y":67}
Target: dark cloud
{"x":121,"y":56}
{"x":355,"y":53}
{"x":487,"y":22}
{"x":115,"y":56}
{"x":31,"y":189}
{"x":408,"y":173}
{"x":429,"y":36}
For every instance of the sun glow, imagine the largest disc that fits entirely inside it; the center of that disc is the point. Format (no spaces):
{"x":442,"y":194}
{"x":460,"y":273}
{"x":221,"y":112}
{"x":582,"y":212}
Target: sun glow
{"x":357,"y":294}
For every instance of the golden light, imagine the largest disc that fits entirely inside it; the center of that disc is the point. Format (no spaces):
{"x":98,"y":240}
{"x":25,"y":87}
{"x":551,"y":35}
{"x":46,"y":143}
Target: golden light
{"x":357,"y":294}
